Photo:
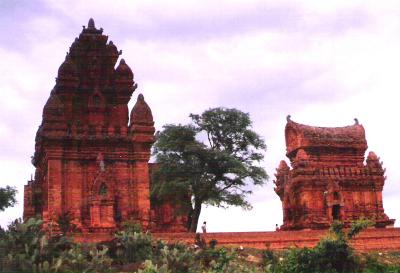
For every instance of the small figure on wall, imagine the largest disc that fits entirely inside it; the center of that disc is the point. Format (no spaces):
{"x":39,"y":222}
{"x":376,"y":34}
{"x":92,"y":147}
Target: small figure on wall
{"x":204,"y":227}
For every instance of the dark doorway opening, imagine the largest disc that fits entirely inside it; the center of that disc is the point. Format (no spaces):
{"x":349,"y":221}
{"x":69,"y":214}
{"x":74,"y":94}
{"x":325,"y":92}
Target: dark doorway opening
{"x":335,"y":196}
{"x":336,"y":212}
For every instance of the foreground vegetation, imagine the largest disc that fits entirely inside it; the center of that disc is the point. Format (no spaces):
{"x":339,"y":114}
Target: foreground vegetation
{"x":24,"y":247}
{"x":7,"y":197}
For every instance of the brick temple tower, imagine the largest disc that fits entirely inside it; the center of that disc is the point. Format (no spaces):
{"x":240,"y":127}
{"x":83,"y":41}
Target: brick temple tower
{"x":329,"y":180}
{"x":91,"y":156}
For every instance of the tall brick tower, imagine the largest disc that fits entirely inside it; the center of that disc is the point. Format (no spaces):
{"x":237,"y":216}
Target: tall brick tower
{"x":329,"y":179}
{"x":91,"y":159}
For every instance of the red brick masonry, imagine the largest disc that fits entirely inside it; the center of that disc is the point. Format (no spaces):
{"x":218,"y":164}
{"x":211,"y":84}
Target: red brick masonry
{"x":91,"y":159}
{"x":379,"y":239}
{"x":329,"y":178}
{"x":371,"y":239}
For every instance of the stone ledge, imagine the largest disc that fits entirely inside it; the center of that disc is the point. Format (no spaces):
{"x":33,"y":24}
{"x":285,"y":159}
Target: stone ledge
{"x":374,"y":239}
{"x":368,"y":240}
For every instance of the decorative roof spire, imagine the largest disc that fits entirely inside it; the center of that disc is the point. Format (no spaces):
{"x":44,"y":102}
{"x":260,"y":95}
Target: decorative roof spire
{"x":372,"y":156}
{"x":283,"y":165}
{"x":123,"y":71}
{"x":91,"y":23}
{"x":141,"y":113}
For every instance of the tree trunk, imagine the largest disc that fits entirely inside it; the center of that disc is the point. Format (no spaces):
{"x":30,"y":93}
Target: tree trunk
{"x":195,"y":216}
{"x":189,"y":219}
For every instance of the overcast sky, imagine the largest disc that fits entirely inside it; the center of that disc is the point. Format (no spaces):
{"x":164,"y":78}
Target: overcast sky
{"x":323,"y":62}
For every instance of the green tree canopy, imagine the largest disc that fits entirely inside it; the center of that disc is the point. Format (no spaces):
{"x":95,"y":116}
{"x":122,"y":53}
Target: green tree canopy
{"x":216,"y":171}
{"x":7,"y":197}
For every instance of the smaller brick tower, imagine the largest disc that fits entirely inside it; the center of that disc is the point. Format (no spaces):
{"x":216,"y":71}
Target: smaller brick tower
{"x":329,"y":179}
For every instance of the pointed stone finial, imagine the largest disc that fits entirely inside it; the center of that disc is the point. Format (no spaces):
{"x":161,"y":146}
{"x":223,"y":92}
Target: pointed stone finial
{"x":288,"y":118}
{"x":141,"y":112}
{"x":373,"y":161}
{"x":372,"y":156}
{"x":283,"y":165}
{"x":123,"y":71}
{"x":356,"y":121}
{"x":91,"y":23}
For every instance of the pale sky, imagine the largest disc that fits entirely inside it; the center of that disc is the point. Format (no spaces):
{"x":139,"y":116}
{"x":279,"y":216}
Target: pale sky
{"x":323,"y":62}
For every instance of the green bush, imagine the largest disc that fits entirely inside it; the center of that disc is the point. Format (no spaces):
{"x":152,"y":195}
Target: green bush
{"x":216,"y":259}
{"x":269,"y":259}
{"x":132,"y":247}
{"x":372,"y":265}
{"x":149,"y":267}
{"x":177,"y":258}
{"x":331,"y":255}
{"x":86,"y":258}
{"x":25,"y":248}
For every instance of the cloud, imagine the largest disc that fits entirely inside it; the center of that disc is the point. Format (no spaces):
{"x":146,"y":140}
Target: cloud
{"x":194,"y":20}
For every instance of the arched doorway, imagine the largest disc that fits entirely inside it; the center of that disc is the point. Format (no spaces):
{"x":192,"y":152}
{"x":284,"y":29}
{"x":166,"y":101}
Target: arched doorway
{"x":102,"y":203}
{"x":336,"y":212}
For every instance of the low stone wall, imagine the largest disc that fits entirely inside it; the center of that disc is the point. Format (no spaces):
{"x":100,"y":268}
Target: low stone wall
{"x":379,"y":239}
{"x":368,"y":240}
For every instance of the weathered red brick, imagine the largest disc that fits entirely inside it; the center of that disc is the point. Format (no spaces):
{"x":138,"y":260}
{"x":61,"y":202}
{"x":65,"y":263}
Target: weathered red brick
{"x":328,"y":178}
{"x":91,"y":159}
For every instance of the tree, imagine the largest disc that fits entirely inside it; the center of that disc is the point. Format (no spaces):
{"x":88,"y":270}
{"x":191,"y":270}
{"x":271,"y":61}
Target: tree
{"x":7,"y":197}
{"x":217,"y":171}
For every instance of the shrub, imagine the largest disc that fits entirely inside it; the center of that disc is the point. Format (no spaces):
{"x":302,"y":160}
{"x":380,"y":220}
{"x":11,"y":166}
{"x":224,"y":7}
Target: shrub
{"x":25,"y":247}
{"x":269,"y":259}
{"x":215,"y":259}
{"x":177,"y":258}
{"x":149,"y":267}
{"x":222,"y":259}
{"x":131,"y":246}
{"x":86,"y":258}
{"x":372,"y":265}
{"x":331,"y":255}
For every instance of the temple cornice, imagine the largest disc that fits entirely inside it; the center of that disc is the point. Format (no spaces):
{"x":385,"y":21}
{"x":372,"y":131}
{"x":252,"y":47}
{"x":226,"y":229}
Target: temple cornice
{"x":301,"y":136}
